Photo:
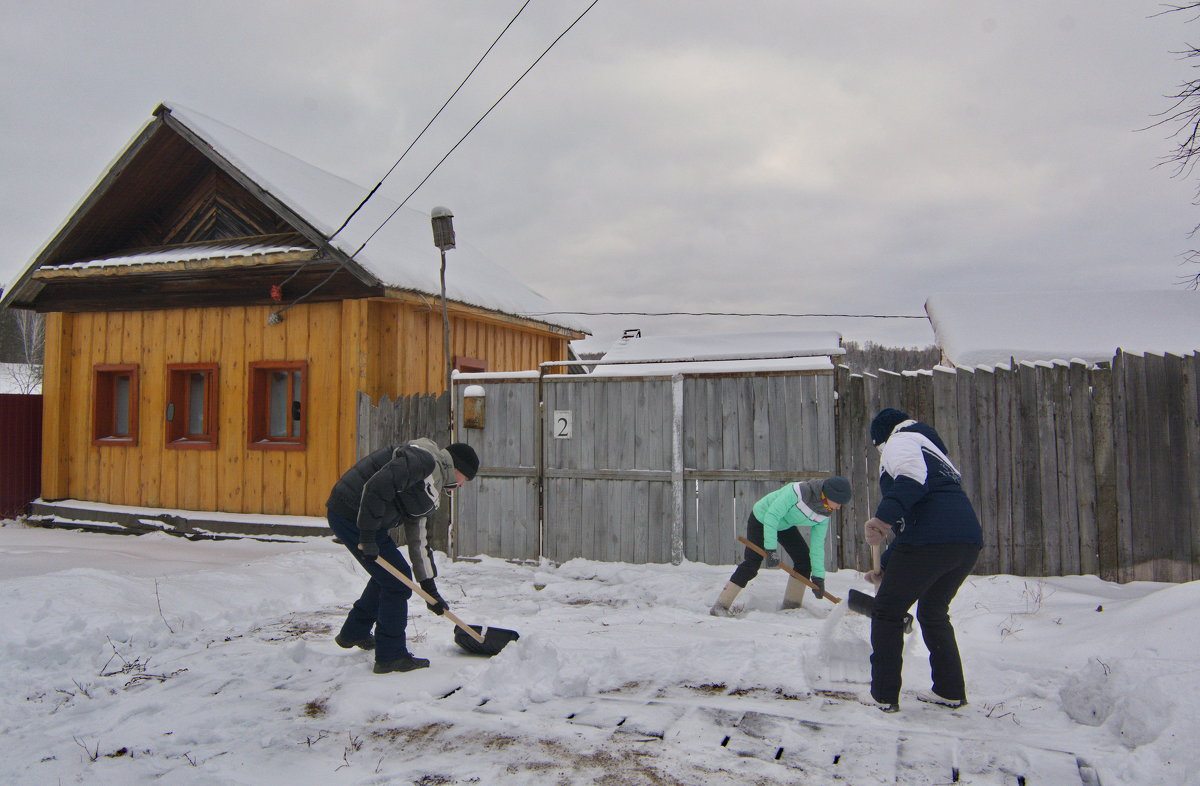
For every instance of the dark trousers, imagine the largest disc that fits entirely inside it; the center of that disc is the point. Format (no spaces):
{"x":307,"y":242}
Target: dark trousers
{"x":384,"y":603}
{"x":791,"y":540}
{"x":930,"y":577}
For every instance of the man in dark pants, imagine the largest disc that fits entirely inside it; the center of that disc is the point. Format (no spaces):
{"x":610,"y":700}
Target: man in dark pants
{"x":379,"y":504}
{"x":938,"y":539}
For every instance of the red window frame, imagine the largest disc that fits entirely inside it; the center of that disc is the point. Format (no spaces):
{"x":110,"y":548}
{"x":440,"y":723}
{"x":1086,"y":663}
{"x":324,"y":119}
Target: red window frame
{"x":469,"y":365}
{"x":265,"y":417}
{"x":181,"y":405}
{"x":107,"y":404}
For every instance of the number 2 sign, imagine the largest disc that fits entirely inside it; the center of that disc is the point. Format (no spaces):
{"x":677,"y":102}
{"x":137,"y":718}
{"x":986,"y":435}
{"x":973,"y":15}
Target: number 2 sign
{"x":562,"y":423}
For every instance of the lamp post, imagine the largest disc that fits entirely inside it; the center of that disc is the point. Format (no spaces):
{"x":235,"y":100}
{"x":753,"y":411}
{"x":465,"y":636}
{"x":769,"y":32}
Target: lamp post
{"x":443,"y":237}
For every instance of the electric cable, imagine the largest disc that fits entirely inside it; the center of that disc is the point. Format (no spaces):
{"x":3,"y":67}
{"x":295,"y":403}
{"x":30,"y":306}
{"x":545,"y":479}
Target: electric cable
{"x":417,"y":138}
{"x":712,"y":314}
{"x":276,"y":317}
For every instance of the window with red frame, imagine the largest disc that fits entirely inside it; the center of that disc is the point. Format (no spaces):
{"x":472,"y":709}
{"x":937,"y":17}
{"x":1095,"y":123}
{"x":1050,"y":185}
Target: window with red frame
{"x":115,"y":404}
{"x":469,"y":365}
{"x":277,"y":405}
{"x":192,"y":405}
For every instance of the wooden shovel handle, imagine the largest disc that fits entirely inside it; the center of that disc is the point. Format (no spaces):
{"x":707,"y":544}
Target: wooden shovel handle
{"x":425,"y":596}
{"x":803,"y":580}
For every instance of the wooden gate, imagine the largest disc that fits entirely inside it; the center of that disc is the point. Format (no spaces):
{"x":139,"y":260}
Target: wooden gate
{"x":635,"y":468}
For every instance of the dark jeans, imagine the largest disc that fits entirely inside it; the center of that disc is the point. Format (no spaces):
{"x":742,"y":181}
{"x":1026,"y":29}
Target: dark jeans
{"x":384,"y":603}
{"x":791,"y":540}
{"x":930,"y":577}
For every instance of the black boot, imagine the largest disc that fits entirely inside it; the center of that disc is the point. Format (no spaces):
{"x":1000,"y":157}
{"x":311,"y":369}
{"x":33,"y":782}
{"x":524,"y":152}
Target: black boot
{"x":405,"y":663}
{"x":363,"y":644}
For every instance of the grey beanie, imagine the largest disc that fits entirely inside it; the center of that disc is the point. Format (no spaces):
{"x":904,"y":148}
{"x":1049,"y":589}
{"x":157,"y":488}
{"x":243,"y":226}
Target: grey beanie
{"x":837,"y":489}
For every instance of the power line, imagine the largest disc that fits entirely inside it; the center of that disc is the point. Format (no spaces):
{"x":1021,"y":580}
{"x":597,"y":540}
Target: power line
{"x":476,"y":124}
{"x":276,"y":315}
{"x":436,"y":114}
{"x":713,"y":314}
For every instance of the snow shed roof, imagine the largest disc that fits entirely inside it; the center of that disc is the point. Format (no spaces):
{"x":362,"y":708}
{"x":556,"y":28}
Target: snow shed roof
{"x":721,"y":352}
{"x":401,"y":255}
{"x":991,"y":328}
{"x":312,"y":201}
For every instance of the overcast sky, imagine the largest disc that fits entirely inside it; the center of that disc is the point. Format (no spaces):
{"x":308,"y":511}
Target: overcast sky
{"x":666,"y":155}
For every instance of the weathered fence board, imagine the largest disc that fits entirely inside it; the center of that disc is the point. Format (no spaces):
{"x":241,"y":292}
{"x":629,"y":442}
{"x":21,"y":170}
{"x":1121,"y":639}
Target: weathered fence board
{"x":1072,"y":469}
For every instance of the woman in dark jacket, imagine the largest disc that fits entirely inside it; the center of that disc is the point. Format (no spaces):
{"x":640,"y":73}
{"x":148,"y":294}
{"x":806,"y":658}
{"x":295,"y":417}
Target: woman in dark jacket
{"x":938,"y":539}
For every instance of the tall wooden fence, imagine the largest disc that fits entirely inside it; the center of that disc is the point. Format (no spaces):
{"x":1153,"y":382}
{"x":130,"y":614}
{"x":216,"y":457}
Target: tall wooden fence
{"x":1073,"y":470}
{"x":20,"y":452}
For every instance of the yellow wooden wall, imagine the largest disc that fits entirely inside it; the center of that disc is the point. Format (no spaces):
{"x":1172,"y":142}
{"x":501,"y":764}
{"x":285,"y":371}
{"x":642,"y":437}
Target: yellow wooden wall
{"x":376,"y":346}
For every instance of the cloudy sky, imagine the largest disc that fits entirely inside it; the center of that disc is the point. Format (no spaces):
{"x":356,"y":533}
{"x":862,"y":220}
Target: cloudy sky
{"x":771,"y":156}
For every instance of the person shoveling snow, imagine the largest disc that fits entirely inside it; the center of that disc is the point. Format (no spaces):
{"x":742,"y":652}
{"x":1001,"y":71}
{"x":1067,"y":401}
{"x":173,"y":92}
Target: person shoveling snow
{"x":774,"y":521}
{"x":938,"y":539}
{"x":392,"y":489}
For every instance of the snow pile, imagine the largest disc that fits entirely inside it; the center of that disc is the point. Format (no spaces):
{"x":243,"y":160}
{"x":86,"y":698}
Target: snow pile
{"x":130,"y":659}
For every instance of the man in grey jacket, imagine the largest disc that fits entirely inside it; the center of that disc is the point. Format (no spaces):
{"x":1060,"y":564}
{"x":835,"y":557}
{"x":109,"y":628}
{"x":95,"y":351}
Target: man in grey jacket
{"x":378,"y":505}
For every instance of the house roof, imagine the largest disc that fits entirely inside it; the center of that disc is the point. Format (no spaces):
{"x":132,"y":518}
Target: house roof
{"x":401,"y":256}
{"x":721,"y":352}
{"x":995,"y":327}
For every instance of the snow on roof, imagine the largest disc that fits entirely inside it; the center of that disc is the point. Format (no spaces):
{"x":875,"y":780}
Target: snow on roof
{"x":721,"y":352}
{"x":401,"y":255}
{"x":184,"y":254}
{"x":990,"y":328}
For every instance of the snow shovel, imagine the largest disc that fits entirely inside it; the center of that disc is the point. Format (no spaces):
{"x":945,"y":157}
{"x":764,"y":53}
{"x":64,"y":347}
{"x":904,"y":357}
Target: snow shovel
{"x":864,"y":604}
{"x":798,"y":576}
{"x":475,"y":639}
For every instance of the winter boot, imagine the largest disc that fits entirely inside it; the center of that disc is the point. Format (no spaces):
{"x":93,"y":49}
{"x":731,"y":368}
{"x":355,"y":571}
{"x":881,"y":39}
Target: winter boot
{"x":793,"y":594}
{"x":725,"y":600}
{"x":936,"y":698}
{"x":405,"y":663}
{"x":363,"y":644}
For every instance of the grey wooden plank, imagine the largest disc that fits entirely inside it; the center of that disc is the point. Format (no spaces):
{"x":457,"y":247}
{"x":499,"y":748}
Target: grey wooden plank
{"x":1027,"y":539}
{"x":1084,"y":467}
{"x":1104,"y":452}
{"x":986,"y":465}
{"x":1003,"y":513}
{"x":1068,"y":541}
{"x":1048,"y":470}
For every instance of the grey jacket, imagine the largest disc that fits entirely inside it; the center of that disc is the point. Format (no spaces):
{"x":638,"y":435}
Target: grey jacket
{"x":395,"y":489}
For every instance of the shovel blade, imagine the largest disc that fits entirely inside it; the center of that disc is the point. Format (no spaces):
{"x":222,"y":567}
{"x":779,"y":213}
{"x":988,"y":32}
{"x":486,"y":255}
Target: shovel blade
{"x":860,"y":602}
{"x":494,"y":640}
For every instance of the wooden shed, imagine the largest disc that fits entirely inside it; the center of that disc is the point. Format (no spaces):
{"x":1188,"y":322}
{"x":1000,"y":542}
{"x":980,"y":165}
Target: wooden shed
{"x":209,"y":327}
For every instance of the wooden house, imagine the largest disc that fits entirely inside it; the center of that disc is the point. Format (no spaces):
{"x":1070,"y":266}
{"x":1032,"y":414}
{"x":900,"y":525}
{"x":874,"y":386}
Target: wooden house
{"x":209,"y":327}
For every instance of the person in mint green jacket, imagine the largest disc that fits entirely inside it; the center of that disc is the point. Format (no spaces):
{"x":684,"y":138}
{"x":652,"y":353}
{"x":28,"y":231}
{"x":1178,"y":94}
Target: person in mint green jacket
{"x":775,"y":521}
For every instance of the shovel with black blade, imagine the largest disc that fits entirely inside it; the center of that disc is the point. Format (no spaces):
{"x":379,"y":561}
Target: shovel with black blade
{"x":475,"y":639}
{"x":864,"y":604}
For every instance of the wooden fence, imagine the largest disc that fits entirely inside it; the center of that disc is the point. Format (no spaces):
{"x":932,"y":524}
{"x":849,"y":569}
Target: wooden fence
{"x":1073,"y":470}
{"x":20,"y":452}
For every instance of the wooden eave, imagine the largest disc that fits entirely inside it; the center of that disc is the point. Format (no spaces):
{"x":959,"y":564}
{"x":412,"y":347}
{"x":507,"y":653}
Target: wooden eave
{"x":226,"y":281}
{"x":432,"y":303}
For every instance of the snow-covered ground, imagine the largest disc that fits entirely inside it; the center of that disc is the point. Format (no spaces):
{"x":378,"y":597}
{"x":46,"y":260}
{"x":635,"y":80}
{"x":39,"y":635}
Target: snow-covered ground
{"x":136,"y":659}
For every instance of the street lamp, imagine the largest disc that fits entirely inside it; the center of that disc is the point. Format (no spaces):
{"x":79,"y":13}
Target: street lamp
{"x":443,"y":237}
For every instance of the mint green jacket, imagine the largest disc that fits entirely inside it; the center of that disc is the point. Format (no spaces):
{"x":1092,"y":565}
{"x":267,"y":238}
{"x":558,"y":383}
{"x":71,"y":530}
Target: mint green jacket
{"x":796,"y":505}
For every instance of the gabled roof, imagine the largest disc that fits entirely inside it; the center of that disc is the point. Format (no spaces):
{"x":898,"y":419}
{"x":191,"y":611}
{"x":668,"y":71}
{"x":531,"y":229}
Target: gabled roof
{"x":974,"y":329}
{"x":309,"y":200}
{"x":633,"y":355}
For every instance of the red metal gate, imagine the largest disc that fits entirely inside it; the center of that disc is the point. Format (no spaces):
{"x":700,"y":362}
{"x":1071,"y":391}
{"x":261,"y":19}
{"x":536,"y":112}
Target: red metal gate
{"x":20,"y":452}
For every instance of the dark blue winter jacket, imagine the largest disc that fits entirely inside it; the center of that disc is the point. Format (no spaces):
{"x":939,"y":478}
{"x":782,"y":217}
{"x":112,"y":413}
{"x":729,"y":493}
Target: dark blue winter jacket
{"x":922,"y":494}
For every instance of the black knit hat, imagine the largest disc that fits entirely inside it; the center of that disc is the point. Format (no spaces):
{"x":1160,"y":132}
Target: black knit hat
{"x":884,"y":422}
{"x":465,"y":459}
{"x":837,"y":489}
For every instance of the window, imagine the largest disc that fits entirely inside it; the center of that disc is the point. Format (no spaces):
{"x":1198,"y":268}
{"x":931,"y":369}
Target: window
{"x":277,"y":406}
{"x":115,"y":404}
{"x":192,"y":405}
{"x":469,"y":365}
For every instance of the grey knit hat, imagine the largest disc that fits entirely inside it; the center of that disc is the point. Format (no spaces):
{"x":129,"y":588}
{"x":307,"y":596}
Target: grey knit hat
{"x":837,"y":489}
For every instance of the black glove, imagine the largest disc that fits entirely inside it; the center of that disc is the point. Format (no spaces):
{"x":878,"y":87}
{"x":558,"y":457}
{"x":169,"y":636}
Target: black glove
{"x":819,"y":592}
{"x":772,"y":559}
{"x":369,"y":549}
{"x":438,"y":608}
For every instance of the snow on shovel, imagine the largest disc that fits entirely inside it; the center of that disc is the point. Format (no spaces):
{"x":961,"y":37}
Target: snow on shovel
{"x":864,"y":604}
{"x":475,"y":639}
{"x":798,"y":576}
